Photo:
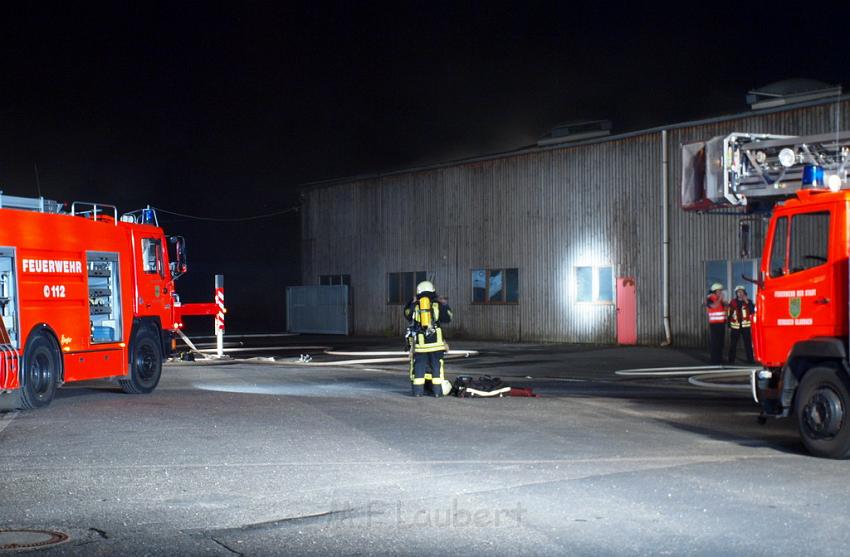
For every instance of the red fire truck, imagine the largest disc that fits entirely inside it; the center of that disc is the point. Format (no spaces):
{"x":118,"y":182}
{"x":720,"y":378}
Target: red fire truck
{"x":801,"y":328}
{"x":84,"y":294}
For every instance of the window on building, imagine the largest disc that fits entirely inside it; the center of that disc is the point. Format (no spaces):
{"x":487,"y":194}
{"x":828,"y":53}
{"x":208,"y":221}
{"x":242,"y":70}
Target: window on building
{"x":401,"y":287}
{"x":731,"y":273}
{"x":335,"y":280}
{"x":595,"y":285}
{"x":495,"y":286}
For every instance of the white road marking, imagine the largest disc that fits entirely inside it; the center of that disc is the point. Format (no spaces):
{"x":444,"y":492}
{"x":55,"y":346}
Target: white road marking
{"x":764,"y":453}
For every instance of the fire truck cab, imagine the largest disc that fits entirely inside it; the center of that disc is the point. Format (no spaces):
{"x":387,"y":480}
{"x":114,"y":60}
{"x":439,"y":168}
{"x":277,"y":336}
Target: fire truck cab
{"x":84,"y":294}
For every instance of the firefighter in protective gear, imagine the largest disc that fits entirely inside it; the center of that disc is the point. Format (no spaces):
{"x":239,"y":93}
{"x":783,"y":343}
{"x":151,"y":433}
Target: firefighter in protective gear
{"x":740,"y":319}
{"x":716,"y":310}
{"x":426,"y":313}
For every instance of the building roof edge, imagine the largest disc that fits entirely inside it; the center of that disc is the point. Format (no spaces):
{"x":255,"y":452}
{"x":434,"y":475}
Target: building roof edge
{"x":538,"y":149}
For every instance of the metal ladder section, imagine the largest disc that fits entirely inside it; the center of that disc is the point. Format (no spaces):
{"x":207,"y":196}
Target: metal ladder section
{"x":39,"y":204}
{"x":744,"y":166}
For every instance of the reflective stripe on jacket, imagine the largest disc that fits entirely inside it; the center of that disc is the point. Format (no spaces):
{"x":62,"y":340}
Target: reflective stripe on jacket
{"x":740,"y":314}
{"x":714,"y":309}
{"x":435,"y":345}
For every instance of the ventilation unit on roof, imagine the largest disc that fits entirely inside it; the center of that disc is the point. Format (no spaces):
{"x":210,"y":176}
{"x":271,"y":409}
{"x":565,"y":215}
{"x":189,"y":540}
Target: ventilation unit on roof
{"x":790,"y":91}
{"x":576,"y":131}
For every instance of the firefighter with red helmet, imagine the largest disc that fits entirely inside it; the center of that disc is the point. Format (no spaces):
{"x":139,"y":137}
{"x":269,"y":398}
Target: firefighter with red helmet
{"x":715,"y":308}
{"x":426,"y":313}
{"x":740,"y":319}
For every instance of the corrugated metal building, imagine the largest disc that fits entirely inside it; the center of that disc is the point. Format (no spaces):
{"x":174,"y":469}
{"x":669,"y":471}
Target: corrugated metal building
{"x":568,"y":218}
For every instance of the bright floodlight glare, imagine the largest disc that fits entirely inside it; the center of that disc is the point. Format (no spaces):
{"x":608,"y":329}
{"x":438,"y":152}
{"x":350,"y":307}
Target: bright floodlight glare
{"x":834,"y":182}
{"x":787,"y":157}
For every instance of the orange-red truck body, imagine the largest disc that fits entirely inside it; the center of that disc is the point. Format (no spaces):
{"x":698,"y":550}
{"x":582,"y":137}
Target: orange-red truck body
{"x":56,"y":259}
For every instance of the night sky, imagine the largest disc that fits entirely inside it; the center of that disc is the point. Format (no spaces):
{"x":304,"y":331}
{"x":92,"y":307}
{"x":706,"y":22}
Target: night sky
{"x":222,"y":110}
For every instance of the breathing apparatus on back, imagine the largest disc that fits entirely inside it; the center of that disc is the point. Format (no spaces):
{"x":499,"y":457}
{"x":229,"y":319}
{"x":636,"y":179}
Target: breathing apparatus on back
{"x":424,"y":293}
{"x":426,"y":316}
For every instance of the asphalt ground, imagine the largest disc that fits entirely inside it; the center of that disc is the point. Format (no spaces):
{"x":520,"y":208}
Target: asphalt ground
{"x":261,"y":458}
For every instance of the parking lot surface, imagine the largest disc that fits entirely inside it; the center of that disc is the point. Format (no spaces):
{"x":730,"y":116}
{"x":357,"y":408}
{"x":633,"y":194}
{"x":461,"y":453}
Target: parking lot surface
{"x":255,"y":457}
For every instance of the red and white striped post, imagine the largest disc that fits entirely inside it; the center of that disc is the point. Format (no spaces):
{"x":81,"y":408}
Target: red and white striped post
{"x":219,"y":316}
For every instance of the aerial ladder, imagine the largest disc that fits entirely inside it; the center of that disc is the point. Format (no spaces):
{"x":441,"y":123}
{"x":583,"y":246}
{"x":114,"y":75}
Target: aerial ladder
{"x":747,"y":171}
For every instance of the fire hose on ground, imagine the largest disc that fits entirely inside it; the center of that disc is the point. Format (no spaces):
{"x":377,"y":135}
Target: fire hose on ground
{"x":394,"y":356}
{"x":698,"y":376}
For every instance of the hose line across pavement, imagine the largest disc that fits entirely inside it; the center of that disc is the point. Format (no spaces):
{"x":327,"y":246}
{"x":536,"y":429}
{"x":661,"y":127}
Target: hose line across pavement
{"x":364,"y":357}
{"x":698,"y":376}
{"x":392,"y":356}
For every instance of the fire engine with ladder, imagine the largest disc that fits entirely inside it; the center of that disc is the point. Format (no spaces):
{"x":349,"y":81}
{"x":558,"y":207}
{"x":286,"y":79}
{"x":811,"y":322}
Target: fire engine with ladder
{"x":801,"y":327}
{"x":85,"y":294}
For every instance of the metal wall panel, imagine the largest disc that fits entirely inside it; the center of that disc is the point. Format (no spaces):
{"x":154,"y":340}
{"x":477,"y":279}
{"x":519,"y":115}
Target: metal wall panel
{"x":317,"y":310}
{"x":544,"y":212}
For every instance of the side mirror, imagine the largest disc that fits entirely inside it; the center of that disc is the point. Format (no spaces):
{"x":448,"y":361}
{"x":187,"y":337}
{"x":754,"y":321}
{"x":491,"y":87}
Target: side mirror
{"x":758,"y":282}
{"x":178,"y":262}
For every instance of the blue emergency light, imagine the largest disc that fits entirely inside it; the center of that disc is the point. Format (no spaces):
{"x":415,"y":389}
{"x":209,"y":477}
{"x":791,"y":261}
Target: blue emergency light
{"x":812,"y":175}
{"x":147,"y":216}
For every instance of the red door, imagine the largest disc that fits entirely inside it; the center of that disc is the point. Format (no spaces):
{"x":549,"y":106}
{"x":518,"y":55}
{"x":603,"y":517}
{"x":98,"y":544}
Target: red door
{"x":626,"y":311}
{"x":800,"y":299}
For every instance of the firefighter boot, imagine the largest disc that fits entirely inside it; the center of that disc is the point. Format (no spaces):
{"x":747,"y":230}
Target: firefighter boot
{"x":418,"y":390}
{"x":420,"y":372}
{"x":437,"y":373}
{"x":418,"y":386}
{"x":437,"y":386}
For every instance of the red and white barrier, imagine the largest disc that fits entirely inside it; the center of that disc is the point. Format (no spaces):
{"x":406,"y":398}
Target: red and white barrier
{"x":219,"y":316}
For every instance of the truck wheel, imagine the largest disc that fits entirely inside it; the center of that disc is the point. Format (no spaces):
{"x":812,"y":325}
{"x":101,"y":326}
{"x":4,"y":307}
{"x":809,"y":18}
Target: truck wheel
{"x":145,"y":364}
{"x":39,"y":371}
{"x":822,"y":405}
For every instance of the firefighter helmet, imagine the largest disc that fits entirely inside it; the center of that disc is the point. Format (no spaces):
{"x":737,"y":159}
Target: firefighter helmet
{"x":716,"y":286}
{"x":739,"y":287}
{"x":425,"y":286}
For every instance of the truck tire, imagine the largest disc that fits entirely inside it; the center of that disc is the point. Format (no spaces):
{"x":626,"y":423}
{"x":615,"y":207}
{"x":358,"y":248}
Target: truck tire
{"x":822,"y":406}
{"x":40,"y":371}
{"x":145,"y":363}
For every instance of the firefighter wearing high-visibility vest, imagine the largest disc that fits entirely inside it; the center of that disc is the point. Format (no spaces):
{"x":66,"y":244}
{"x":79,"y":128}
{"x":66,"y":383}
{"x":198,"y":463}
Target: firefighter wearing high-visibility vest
{"x":427,"y":312}
{"x":716,"y":310}
{"x":740,"y":319}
